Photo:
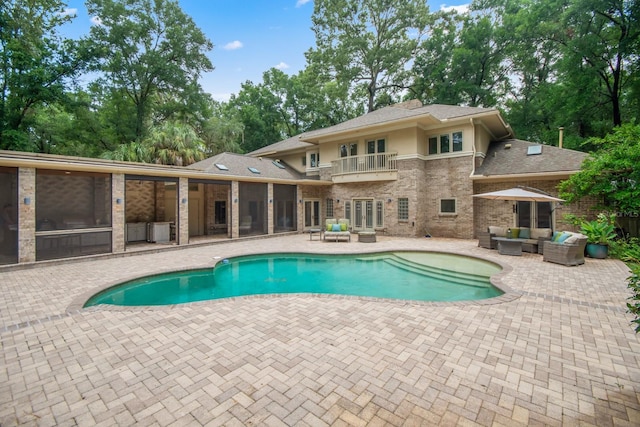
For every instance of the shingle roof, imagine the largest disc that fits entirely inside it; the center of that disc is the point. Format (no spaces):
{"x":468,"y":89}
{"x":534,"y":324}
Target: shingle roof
{"x":397,"y":112}
{"x":285,"y":145}
{"x":238,"y":165}
{"x":501,"y":160}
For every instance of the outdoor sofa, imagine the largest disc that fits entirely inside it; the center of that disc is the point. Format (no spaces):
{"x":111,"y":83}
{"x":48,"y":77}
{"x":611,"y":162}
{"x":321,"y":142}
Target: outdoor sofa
{"x":531,"y":238}
{"x":337,"y":229}
{"x":565,"y":248}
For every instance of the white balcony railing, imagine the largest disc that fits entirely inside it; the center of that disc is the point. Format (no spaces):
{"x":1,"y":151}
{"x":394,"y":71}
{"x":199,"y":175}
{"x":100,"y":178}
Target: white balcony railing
{"x":381,"y":162}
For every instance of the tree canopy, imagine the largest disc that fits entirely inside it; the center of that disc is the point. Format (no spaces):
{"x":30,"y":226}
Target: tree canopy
{"x":544,"y":63}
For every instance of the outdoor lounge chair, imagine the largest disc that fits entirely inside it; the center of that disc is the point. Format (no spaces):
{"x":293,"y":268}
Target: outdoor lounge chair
{"x":245,"y":223}
{"x":569,"y":252}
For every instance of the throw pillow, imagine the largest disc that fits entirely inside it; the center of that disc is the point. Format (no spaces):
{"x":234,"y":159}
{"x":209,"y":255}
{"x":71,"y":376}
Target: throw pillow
{"x":525,"y":233}
{"x":556,"y":236}
{"x":336,"y":227}
{"x":329,"y":227}
{"x":563,"y":237}
{"x":343,"y":226}
{"x":572,"y":239}
{"x":515,"y":233}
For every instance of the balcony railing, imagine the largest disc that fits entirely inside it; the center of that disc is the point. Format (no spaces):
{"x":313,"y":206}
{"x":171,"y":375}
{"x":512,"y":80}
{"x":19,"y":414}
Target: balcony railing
{"x":381,"y":162}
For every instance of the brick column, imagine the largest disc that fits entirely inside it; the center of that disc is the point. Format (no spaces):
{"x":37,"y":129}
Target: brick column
{"x":26,"y":215}
{"x":182,"y":220}
{"x":118,"y":222}
{"x":270,"y":203}
{"x":235,"y":210}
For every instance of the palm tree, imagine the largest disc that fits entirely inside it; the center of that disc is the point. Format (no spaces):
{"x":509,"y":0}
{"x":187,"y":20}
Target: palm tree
{"x":174,"y":143}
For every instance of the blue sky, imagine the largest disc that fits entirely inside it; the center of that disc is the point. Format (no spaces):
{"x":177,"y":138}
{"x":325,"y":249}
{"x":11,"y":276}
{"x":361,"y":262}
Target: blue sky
{"x":249,"y":37}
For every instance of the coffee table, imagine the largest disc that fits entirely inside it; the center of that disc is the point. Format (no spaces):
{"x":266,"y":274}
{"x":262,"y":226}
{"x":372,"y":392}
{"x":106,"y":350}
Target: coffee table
{"x":508,"y":246}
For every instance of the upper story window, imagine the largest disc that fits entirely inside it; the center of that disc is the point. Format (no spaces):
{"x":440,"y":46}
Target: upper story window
{"x":445,"y":143}
{"x":349,"y":149}
{"x":376,"y":146}
{"x":314,"y":160}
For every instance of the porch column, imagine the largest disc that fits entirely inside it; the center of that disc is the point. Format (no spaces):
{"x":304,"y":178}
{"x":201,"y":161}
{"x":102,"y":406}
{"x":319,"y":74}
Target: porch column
{"x":235,"y":210}
{"x":26,"y":215}
{"x":300,"y":210}
{"x":182,"y":220}
{"x":270,"y":203}
{"x":117,"y":213}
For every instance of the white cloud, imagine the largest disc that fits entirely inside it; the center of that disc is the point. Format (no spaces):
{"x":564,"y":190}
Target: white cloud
{"x":282,"y":66}
{"x":300,"y":3}
{"x":95,"y":20}
{"x":236,"y":44}
{"x":70,"y":11}
{"x":461,"y":9}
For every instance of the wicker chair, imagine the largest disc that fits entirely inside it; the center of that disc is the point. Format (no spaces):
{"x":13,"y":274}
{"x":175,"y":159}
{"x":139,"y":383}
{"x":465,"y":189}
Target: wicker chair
{"x":569,"y":254}
{"x":485,"y":240}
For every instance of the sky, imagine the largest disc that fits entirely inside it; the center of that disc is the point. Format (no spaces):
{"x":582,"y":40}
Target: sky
{"x":249,"y":37}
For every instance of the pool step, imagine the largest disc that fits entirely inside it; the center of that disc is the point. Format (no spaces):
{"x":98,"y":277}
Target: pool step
{"x":466,"y":279}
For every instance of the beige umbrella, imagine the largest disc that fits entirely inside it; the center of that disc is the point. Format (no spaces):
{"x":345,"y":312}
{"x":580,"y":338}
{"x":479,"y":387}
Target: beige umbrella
{"x":518,"y":194}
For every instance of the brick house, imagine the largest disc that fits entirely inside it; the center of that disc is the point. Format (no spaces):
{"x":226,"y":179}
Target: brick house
{"x":405,"y":170}
{"x":411,"y":170}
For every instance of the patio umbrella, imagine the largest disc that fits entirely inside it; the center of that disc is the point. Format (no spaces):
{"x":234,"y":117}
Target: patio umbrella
{"x":518,"y":194}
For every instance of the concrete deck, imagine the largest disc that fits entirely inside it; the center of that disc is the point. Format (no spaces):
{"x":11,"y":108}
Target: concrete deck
{"x":559,"y":350}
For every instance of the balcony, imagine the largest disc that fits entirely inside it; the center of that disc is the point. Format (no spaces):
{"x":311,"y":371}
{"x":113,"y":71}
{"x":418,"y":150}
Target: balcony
{"x":369,"y":167}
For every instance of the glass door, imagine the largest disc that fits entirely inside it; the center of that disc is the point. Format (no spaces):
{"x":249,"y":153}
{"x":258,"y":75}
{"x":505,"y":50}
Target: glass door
{"x":363,"y":215}
{"x":311,"y":213}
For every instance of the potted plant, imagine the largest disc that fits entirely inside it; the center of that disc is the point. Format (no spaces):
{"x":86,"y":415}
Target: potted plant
{"x":600,"y":232}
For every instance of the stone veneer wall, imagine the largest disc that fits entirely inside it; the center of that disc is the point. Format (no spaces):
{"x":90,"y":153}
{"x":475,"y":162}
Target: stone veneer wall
{"x":500,"y":212}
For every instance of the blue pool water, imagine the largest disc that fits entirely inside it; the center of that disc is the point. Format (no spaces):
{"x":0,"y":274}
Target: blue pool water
{"x":397,"y":275}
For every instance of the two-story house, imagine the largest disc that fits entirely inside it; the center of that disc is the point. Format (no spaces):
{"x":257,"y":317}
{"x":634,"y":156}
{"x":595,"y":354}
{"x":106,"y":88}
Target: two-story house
{"x":411,"y":170}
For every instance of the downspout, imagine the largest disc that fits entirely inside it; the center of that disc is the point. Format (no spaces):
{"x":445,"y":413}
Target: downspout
{"x":560,"y":136}
{"x":473,"y":148}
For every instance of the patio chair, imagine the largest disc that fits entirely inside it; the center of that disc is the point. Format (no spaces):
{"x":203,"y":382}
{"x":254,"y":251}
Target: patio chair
{"x":569,"y":253}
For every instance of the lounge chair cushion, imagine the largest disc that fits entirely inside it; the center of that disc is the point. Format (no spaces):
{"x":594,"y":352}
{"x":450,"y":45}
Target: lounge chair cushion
{"x":564,"y":236}
{"x":537,"y":233}
{"x":497,"y":231}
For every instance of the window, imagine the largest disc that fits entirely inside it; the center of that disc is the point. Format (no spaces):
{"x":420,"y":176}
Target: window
{"x":254,"y":170}
{"x":221,"y":167}
{"x":329,"y":210}
{"x":445,"y":143}
{"x":457,"y":141}
{"x":403,"y":209}
{"x":447,"y":206}
{"x":220,"y":212}
{"x":433,"y":145}
{"x":278,"y":164}
{"x":347,"y":210}
{"x":379,"y":213}
{"x":314,"y":160}
{"x":377,"y":146}
{"x":349,"y":150}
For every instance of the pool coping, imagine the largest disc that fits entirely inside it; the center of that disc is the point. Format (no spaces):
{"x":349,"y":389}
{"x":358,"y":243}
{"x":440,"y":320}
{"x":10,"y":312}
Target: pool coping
{"x":509,"y":294}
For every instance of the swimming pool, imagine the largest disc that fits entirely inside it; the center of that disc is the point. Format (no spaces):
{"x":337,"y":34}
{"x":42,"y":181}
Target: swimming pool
{"x":422,"y":276}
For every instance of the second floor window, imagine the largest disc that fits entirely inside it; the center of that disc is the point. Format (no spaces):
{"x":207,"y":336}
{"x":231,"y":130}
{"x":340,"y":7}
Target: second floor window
{"x":349,"y":150}
{"x":445,"y":143}
{"x":314,"y":160}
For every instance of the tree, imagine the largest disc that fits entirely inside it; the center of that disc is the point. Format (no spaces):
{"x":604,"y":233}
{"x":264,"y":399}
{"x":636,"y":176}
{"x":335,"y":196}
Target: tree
{"x":461,"y":62}
{"x":602,"y":38}
{"x":611,"y":174}
{"x":148,"y":47}
{"x":367,"y":44}
{"x":36,"y":65}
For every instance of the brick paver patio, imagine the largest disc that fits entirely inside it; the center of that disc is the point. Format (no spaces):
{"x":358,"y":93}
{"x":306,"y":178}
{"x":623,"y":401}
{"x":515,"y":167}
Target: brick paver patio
{"x":559,"y":350}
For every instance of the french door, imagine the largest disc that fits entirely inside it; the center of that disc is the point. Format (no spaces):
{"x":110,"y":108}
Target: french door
{"x":311,"y":213}
{"x":363,"y":214}
{"x":534,"y":214}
